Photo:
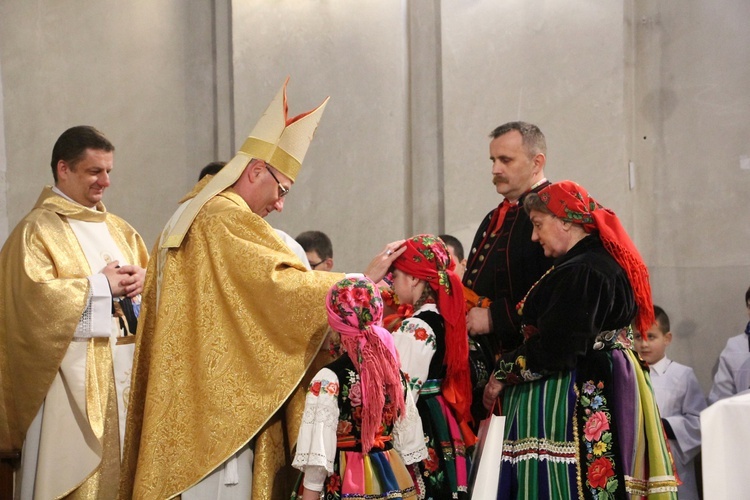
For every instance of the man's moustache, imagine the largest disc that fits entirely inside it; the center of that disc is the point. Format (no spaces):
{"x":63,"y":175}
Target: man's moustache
{"x":496,"y":179}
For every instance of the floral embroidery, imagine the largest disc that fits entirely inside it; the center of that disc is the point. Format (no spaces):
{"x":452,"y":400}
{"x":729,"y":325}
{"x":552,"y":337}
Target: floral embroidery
{"x":315,"y":388}
{"x":344,"y":428}
{"x":600,"y":448}
{"x":334,"y":349}
{"x":355,"y":394}
{"x":529,"y":331}
{"x":327,"y":386}
{"x":433,"y":249}
{"x":599,"y":473}
{"x":432,"y":471}
{"x":597,"y":437}
{"x":355,"y":297}
{"x":596,"y":424}
{"x":420,"y":333}
{"x":389,"y":296}
{"x":349,"y":428}
{"x":515,"y":372}
{"x":415,"y":384}
{"x":431,"y":463}
{"x":357,"y":416}
{"x":334,"y":484}
{"x":596,"y":402}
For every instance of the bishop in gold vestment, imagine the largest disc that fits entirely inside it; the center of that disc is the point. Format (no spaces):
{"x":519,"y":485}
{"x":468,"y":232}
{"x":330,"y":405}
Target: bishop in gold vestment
{"x":230,"y":322}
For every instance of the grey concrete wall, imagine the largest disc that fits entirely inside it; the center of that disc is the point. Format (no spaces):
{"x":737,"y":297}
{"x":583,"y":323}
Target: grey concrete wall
{"x":691,"y":129}
{"x":556,"y":64}
{"x":141,"y":72}
{"x":415,"y":88}
{"x":351,"y":183}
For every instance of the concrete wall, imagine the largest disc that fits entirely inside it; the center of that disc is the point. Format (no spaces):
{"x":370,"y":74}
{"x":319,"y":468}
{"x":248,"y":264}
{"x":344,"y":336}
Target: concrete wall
{"x":690,"y":141}
{"x":415,"y":88}
{"x":351,"y":184}
{"x":141,"y":72}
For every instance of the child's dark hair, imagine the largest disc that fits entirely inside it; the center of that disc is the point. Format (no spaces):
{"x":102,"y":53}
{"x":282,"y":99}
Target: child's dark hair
{"x":661,"y":319}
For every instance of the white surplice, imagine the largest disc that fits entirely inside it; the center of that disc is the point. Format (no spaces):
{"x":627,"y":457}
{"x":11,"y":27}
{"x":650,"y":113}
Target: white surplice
{"x":680,"y":401}
{"x":734,"y":355}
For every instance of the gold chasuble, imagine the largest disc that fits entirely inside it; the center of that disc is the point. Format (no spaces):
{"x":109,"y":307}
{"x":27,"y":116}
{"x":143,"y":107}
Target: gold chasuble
{"x":230,"y":322}
{"x":43,"y":292}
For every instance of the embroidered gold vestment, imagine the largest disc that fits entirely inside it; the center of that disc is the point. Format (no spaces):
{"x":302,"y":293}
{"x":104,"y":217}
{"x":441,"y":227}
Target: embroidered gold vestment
{"x":230,"y":321}
{"x":43,"y":293}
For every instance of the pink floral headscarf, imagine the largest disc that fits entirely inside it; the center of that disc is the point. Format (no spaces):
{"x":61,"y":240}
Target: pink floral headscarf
{"x":355,"y":311}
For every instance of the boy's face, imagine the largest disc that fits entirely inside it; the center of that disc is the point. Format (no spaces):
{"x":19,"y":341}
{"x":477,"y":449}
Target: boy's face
{"x":460,"y":265}
{"x":318,"y":264}
{"x":653,"y":344}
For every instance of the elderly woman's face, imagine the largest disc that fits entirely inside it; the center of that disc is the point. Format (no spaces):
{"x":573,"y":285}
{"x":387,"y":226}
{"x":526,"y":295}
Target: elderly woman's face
{"x":551,"y":232}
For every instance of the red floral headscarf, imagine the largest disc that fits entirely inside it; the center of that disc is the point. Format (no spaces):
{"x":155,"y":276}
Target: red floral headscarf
{"x":570,"y":202}
{"x":355,"y":311}
{"x":427,"y":258}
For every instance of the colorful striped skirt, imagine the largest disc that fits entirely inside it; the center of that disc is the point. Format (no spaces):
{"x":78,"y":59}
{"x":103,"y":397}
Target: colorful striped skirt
{"x":594,"y":432}
{"x":373,"y":475}
{"x":444,"y":474}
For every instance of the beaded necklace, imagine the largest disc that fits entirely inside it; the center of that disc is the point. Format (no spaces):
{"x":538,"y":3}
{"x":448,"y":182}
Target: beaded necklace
{"x":519,"y":306}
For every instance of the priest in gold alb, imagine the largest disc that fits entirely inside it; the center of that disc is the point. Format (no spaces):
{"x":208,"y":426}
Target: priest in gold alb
{"x":64,"y":358}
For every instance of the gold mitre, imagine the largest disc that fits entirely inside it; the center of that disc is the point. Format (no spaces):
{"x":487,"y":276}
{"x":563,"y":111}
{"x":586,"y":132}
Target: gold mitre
{"x":276,"y":139}
{"x":281,"y":141}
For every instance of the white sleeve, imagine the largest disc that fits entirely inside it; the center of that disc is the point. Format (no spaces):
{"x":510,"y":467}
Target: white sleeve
{"x":96,"y":320}
{"x":316,"y":442}
{"x":416,"y":345}
{"x":686,"y":425}
{"x":408,"y":434}
{"x":723,"y":386}
{"x":315,"y":477}
{"x":294,"y":247}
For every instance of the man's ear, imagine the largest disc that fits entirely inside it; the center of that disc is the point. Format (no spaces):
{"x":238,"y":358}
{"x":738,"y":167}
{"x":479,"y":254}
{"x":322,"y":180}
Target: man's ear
{"x":667,"y":338}
{"x":253,"y":170}
{"x":63,"y":169}
{"x":539,"y":160}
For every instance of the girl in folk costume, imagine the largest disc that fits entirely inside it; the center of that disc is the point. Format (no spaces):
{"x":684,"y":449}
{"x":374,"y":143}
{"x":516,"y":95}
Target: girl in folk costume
{"x":434,"y":351}
{"x":581,"y":417}
{"x":360,"y":426}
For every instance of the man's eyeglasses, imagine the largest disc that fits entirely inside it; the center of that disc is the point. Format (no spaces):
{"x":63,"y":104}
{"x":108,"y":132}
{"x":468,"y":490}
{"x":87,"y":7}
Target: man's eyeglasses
{"x":313,"y":266}
{"x":282,"y":190}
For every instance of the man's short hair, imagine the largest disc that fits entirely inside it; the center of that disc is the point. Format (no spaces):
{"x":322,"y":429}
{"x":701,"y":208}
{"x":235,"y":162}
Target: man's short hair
{"x":211,"y":169}
{"x":452,"y":241}
{"x":316,"y":241}
{"x":747,"y":296}
{"x":662,"y":320}
{"x":73,"y":143}
{"x":533,"y":138}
